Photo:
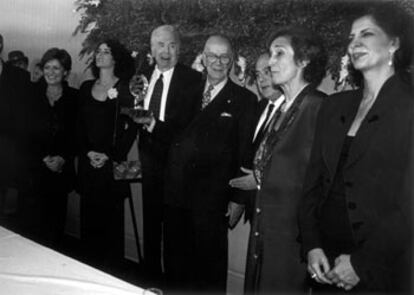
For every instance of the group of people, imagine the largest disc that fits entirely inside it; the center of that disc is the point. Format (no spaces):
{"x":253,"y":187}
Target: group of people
{"x":323,"y":180}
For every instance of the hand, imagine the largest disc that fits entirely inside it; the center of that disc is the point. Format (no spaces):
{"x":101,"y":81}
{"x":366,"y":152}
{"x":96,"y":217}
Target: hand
{"x":316,"y":260}
{"x":97,"y":160}
{"x":343,"y":274}
{"x":54,"y":163}
{"x":247,"y":182}
{"x":234,"y":212}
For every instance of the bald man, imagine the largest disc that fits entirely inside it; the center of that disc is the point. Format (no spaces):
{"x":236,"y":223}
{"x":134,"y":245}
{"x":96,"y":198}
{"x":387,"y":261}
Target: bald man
{"x":170,"y":86}
{"x":199,"y":201}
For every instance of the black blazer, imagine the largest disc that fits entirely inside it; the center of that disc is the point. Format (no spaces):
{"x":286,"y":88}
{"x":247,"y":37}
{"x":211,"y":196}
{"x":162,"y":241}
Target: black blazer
{"x":211,"y":150}
{"x":375,"y":178}
{"x":15,"y":107}
{"x":180,"y":109}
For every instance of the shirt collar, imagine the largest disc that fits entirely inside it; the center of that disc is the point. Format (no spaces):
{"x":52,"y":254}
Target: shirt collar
{"x":166,"y":74}
{"x":218,"y":86}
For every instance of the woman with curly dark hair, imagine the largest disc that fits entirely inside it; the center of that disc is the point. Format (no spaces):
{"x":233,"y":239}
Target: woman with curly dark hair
{"x":105,"y":136}
{"x":355,"y":216}
{"x":297,"y":65}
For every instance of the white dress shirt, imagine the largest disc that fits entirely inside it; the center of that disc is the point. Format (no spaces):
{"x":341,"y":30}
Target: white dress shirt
{"x":166,"y":79}
{"x":277,"y":103}
{"x":217,"y":88}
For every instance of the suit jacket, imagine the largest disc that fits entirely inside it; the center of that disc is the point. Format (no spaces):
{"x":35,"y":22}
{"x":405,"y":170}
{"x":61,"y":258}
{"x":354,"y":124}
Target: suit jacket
{"x":54,"y":129}
{"x":15,"y":106}
{"x":180,"y":109}
{"x":378,"y":204}
{"x":275,"y":214}
{"x":211,"y":150}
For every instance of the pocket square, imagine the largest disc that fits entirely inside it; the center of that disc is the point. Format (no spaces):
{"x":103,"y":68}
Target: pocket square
{"x":224,"y":114}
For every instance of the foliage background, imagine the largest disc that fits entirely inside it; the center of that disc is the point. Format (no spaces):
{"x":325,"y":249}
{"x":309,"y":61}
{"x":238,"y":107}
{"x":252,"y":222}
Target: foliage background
{"x":245,"y":22}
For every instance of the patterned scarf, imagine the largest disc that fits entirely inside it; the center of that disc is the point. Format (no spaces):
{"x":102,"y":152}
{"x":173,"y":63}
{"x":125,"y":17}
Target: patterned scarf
{"x":272,"y":136}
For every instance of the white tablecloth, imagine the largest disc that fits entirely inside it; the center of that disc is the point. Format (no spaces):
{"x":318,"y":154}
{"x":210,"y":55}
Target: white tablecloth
{"x":27,"y":268}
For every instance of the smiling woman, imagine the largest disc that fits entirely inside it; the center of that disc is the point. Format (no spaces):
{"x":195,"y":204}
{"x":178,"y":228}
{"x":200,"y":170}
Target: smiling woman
{"x":54,"y":124}
{"x":34,"y":26}
{"x":355,"y":215}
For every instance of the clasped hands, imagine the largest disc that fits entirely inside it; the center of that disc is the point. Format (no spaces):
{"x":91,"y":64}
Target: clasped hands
{"x":97,"y":160}
{"x":342,"y":274}
{"x":54,"y":163}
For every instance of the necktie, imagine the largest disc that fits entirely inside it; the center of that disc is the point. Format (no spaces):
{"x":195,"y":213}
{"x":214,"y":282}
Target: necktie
{"x":265,"y":148}
{"x":155,"y":102}
{"x":207,"y":96}
{"x":262,"y":130}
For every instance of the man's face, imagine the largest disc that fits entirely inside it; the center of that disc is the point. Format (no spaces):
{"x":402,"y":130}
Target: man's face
{"x":264,"y":79}
{"x":165,"y":49}
{"x":218,"y":59}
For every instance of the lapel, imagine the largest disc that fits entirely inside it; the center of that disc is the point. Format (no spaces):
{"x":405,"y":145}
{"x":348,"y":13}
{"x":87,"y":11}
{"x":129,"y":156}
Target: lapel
{"x":338,"y":126}
{"x":220,"y":103}
{"x":173,"y":90}
{"x":369,"y":126}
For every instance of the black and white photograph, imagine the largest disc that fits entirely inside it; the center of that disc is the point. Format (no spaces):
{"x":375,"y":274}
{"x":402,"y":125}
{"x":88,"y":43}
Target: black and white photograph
{"x":206,"y":147}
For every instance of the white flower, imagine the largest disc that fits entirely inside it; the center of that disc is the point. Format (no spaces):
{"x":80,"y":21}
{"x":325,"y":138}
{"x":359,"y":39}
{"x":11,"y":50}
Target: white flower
{"x":197,"y":64}
{"x":150,"y":59}
{"x":241,"y":62}
{"x":95,"y":2}
{"x":343,"y":73}
{"x":112,"y":93}
{"x":134,"y":54}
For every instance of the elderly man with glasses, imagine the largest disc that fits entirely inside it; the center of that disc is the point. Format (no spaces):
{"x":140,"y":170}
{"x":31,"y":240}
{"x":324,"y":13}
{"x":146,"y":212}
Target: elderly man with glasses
{"x":200,"y":205}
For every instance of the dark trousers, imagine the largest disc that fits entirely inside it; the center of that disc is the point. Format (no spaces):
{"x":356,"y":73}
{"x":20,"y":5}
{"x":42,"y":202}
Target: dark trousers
{"x":102,"y":218}
{"x":42,"y":210}
{"x":195,"y":250}
{"x":152,"y":201}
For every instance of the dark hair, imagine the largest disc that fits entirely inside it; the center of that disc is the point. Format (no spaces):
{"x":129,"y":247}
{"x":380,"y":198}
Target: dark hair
{"x":396,"y":23}
{"x":59,"y":54}
{"x":124,"y":64}
{"x":307,"y":46}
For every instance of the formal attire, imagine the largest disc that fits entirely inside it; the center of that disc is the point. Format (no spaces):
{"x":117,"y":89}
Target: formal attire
{"x":173,"y":109}
{"x":103,"y":129}
{"x":355,"y":196}
{"x":54,"y":135}
{"x":201,"y":162}
{"x":15,"y":102}
{"x":273,"y":260}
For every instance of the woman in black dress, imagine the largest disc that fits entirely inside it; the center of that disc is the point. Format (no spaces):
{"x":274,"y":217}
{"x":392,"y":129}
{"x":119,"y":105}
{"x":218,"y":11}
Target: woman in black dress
{"x":105,"y":136}
{"x":54,"y":121}
{"x":355,"y":216}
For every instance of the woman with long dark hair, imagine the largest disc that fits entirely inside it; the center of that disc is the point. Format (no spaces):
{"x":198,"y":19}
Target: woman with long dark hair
{"x":105,"y":136}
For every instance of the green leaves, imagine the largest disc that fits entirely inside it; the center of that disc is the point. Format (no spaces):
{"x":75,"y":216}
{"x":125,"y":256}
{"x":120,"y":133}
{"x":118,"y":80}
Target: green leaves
{"x":245,"y":22}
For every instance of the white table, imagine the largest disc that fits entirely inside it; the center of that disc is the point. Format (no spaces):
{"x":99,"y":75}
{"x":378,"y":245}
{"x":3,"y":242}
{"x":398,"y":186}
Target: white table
{"x":27,"y":268}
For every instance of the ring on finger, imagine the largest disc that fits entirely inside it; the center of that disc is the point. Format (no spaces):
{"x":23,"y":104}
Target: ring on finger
{"x":313,"y":275}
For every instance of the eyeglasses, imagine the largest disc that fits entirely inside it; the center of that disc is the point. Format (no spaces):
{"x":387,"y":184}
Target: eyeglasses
{"x":224,"y":59}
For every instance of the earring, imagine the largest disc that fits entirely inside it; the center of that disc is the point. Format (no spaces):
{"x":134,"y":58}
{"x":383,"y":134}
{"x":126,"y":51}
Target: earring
{"x":391,"y":61}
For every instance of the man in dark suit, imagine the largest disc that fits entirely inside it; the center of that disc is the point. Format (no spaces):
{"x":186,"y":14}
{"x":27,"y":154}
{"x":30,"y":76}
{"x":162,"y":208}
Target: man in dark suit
{"x":14,"y":131}
{"x":167,"y":98}
{"x":199,"y":201}
{"x":271,"y":99}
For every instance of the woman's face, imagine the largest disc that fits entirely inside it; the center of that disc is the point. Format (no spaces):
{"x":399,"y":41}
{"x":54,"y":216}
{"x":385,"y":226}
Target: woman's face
{"x":54,"y":72}
{"x":370,"y":47}
{"x":103,"y":57}
{"x":282,"y":63}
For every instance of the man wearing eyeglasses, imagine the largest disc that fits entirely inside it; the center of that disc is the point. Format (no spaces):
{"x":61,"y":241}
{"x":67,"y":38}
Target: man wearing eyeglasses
{"x":200,"y":205}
